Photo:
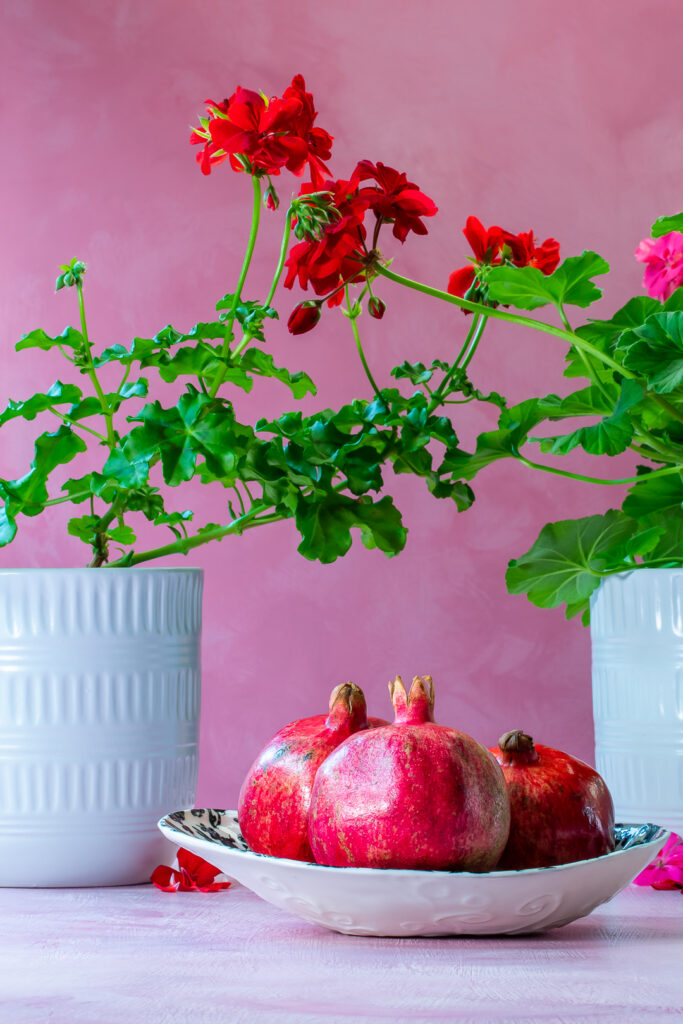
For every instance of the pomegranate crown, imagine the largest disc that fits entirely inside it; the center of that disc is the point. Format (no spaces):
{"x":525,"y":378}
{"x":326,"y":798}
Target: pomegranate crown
{"x":417,"y":704}
{"x":348,"y":694}
{"x":348,"y":711}
{"x":517,"y":747}
{"x":516,"y":742}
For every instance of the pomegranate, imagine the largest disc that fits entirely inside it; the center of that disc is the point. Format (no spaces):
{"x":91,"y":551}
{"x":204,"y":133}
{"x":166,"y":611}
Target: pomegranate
{"x":561,"y":808}
{"x":413,"y":794}
{"x":275,"y":796}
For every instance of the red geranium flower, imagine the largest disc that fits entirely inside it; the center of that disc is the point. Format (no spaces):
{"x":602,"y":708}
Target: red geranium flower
{"x":271,"y":134}
{"x":395,"y":199}
{"x":525,"y":253}
{"x":336,"y":258}
{"x":495,"y":246}
{"x":263,"y":132}
{"x":193,"y":875}
{"x":318,"y":141}
{"x":486,"y":246}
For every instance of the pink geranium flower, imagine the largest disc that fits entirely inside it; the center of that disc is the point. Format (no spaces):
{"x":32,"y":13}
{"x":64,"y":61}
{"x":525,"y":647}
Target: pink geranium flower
{"x":666,"y":870}
{"x":664,"y":264}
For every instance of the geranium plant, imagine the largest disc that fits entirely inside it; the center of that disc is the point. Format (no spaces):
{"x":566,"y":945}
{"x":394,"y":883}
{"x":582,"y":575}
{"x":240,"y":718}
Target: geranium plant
{"x":327,"y":471}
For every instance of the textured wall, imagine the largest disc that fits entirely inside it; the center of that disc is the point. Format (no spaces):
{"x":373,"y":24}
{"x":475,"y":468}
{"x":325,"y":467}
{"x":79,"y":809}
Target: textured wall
{"x":564,"y":120}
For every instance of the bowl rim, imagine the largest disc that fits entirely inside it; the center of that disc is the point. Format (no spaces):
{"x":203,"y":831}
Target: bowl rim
{"x":660,"y":837}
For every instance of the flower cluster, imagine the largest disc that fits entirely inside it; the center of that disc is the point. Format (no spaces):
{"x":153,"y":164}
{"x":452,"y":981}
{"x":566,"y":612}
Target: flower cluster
{"x":663,"y":258}
{"x":261,"y":136}
{"x":666,"y":870}
{"x":494,"y":247}
{"x":342,"y":255}
{"x":192,"y":875}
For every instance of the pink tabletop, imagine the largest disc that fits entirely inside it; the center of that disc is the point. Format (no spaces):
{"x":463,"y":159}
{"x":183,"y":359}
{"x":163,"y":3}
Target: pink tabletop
{"x":100,"y":956}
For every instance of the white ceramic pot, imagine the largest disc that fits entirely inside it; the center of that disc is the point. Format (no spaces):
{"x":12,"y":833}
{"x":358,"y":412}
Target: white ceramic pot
{"x":99,"y":710}
{"x":637,"y":646}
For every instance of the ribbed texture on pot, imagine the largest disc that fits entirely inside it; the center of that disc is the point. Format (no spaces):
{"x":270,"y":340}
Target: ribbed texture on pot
{"x":637,"y":648}
{"x":99,"y":710}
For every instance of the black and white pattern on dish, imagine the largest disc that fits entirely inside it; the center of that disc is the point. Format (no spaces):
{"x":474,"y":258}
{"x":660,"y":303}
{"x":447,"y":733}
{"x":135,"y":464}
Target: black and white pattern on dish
{"x":220,"y":826}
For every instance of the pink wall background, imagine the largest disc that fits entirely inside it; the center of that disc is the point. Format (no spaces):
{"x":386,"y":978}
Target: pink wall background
{"x":561,"y":119}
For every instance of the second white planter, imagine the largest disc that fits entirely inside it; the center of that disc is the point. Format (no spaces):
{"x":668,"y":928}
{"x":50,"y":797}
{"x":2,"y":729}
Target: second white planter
{"x":99,"y":712}
{"x":637,"y":648}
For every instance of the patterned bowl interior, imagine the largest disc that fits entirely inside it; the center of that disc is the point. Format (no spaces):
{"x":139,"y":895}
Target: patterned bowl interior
{"x":220,"y":826}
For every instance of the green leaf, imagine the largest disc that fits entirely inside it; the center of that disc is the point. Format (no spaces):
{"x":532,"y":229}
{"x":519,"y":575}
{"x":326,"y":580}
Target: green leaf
{"x":654,"y":494}
{"x":670,"y":544}
{"x":418,"y":373}
{"x":514,"y":426}
{"x":655,"y":350}
{"x":612,"y":435}
{"x":663,"y":225}
{"x":197,"y":425}
{"x":528,"y":288}
{"x":363,"y":470}
{"x":78,"y":488}
{"x":141,"y":349}
{"x":604,"y":334}
{"x":254,"y":360}
{"x":325,"y":526}
{"x":122,"y":534}
{"x":28,"y":494}
{"x":82,"y":527}
{"x":69,"y":338}
{"x":58,"y":394}
{"x":250,"y":315}
{"x":128,"y":471}
{"x":8,"y":527}
{"x":566,"y":562}
{"x":461,"y":493}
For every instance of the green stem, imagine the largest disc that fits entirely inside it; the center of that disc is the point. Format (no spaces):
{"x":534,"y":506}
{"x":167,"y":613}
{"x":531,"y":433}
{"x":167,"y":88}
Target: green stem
{"x":590,"y":369}
{"x":283,"y":254}
{"x":594,"y":479}
{"x":437,"y":397}
{"x":76,"y":423}
{"x":473,"y":345}
{"x":124,"y":379}
{"x":181,"y":547}
{"x":67,"y":497}
{"x":514,"y":318}
{"x":352,"y":313}
{"x":667,"y":406}
{"x":92,"y":373}
{"x":225,"y":349}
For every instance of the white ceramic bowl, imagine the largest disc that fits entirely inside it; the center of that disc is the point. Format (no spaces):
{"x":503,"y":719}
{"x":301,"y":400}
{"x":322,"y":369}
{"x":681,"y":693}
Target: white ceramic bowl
{"x":367,"y":901}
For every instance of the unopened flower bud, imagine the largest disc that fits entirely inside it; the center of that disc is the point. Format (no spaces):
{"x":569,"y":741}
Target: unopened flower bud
{"x":272,"y":199}
{"x":71,"y":274}
{"x":304,"y":317}
{"x":376,"y":307}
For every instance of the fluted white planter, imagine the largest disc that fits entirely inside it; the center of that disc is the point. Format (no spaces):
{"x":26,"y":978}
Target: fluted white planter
{"x":99,"y":709}
{"x":637,"y":647}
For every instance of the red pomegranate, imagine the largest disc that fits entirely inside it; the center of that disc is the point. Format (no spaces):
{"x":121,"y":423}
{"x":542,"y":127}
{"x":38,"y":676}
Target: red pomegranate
{"x":413,"y":794}
{"x":562,"y":810}
{"x":275,"y":796}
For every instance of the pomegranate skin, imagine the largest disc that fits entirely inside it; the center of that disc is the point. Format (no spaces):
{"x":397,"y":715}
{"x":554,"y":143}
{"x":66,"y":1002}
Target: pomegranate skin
{"x":413,"y":794}
{"x":275,"y":796}
{"x":562,"y":810}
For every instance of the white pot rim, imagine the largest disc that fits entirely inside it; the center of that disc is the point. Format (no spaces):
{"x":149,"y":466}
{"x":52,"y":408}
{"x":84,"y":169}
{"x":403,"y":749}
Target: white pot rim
{"x":113,"y":571}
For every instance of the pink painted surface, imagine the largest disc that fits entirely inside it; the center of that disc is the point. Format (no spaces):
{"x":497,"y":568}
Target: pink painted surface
{"x":94,"y":956}
{"x":526,"y":114}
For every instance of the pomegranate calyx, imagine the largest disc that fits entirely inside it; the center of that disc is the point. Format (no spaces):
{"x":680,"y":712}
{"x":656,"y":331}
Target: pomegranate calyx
{"x":517,"y":746}
{"x":415,"y":705}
